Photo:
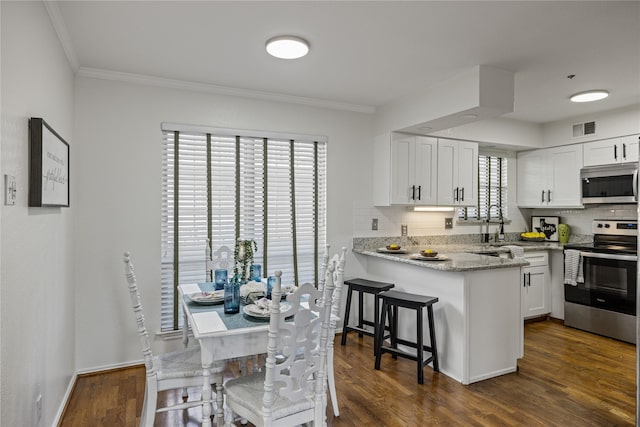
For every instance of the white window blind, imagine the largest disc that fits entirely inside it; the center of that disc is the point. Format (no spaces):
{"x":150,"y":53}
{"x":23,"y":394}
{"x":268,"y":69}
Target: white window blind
{"x":269,"y":189}
{"x":492,"y":190}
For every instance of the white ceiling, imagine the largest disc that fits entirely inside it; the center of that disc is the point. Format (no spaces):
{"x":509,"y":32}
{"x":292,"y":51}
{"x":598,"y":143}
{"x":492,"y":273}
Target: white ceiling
{"x":367,"y":54}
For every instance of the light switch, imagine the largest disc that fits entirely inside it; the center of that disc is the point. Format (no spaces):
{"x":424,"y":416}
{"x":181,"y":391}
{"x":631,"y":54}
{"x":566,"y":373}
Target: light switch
{"x":448,"y":223}
{"x":374,"y":224}
{"x":10,"y":189}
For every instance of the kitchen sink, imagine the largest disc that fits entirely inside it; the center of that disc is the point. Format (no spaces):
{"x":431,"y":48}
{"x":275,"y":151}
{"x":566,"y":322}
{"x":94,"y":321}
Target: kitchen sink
{"x":488,"y":253}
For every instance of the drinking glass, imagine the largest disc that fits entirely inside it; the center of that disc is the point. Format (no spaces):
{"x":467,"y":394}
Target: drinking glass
{"x":271,"y":282}
{"x":256,"y":272}
{"x":220,"y":278}
{"x":232,"y":297}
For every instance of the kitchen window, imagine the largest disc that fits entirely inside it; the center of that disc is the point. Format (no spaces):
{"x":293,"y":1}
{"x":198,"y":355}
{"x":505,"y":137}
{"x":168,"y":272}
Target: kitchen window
{"x":221,"y":185}
{"x":492,"y":191}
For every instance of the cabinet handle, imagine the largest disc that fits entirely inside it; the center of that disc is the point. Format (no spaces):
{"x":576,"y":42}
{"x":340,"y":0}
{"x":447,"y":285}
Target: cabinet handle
{"x":413,"y":192}
{"x":462,"y":194}
{"x":524,"y":280}
{"x":615,"y":152}
{"x":529,"y":276}
{"x":542,"y":200}
{"x":624,"y":151}
{"x":549,"y":196}
{"x":455,"y":195}
{"x":419,"y":192}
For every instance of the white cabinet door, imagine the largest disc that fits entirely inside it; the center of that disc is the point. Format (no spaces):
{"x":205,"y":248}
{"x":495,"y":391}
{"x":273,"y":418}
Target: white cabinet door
{"x":563,"y":176}
{"x":532,"y":178}
{"x":550,"y":177}
{"x":457,"y":173}
{"x":425,"y":171}
{"x":601,"y":152}
{"x":536,"y":291}
{"x":468,"y":173}
{"x":448,"y":194}
{"x":402,"y":170}
{"x":412,"y":172}
{"x":611,"y":151}
{"x":630,"y":145}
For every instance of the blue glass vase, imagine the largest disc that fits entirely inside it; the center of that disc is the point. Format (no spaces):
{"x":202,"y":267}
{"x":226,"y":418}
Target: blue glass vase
{"x":220,"y":278}
{"x":232,"y":297}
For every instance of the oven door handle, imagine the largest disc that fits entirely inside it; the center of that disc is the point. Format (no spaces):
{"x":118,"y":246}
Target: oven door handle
{"x":609,"y":256}
{"x":635,"y":185}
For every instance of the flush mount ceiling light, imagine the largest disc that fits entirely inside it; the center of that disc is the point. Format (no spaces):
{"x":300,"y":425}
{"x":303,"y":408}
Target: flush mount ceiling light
{"x":287,"y":47}
{"x":589,"y":95}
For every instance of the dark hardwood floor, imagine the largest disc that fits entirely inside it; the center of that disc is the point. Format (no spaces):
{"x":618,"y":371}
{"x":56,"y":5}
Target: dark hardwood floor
{"x":567,"y":378}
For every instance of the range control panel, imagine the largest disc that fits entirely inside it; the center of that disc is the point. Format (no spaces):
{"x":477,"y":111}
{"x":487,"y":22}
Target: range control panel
{"x":618,"y":227}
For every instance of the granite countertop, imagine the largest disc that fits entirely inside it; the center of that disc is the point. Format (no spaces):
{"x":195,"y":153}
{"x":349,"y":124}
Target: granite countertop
{"x":463,"y":257}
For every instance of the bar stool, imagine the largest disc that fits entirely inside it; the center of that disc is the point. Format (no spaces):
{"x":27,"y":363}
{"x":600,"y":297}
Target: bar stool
{"x":364,"y":286}
{"x":391,"y":302}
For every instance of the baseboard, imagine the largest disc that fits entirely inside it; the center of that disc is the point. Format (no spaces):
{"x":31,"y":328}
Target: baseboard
{"x":65,"y":400}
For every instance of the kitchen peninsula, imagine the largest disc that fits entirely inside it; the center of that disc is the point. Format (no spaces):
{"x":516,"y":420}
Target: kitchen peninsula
{"x":478,"y":320}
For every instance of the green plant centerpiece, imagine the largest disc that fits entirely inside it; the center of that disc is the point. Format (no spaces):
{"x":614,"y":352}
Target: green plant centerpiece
{"x":243,"y":259}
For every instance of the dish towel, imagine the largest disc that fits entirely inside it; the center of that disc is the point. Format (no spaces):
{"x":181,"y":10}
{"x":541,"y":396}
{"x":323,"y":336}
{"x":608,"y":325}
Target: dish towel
{"x":516,"y":251}
{"x":573,"y":273}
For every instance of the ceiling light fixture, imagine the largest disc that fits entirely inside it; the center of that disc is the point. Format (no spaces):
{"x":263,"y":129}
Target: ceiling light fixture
{"x":287,"y":47}
{"x":589,"y":95}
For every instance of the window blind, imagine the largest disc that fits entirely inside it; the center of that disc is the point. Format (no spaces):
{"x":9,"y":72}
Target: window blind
{"x":492,"y":189}
{"x":224,"y":186}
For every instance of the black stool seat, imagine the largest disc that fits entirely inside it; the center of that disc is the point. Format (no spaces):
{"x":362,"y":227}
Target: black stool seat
{"x":363,"y":286}
{"x":391,"y":301}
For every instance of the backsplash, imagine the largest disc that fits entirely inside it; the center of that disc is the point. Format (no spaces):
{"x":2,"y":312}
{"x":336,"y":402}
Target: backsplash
{"x":431,"y":224}
{"x":580,"y":219}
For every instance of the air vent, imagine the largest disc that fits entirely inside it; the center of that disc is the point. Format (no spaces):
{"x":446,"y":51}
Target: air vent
{"x":583,"y":129}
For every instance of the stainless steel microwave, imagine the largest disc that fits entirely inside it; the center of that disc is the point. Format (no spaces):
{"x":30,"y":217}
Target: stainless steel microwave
{"x":610,"y":183}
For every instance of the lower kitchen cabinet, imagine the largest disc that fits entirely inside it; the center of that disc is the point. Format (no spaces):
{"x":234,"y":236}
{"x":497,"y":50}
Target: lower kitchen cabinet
{"x":536,"y":285}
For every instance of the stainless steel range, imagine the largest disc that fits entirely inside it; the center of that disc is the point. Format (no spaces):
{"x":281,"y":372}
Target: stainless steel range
{"x":603,"y":299}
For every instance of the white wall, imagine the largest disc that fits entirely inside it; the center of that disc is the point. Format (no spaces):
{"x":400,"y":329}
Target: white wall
{"x":37,"y":294}
{"x":119,"y":161}
{"x":609,"y":124}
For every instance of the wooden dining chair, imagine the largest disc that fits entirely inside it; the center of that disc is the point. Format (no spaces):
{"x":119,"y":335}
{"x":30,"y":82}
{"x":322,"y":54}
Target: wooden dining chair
{"x":167,"y":371}
{"x":291,"y":390}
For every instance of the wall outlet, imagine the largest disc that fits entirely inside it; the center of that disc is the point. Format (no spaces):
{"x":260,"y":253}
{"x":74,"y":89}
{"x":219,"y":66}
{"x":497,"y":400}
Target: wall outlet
{"x":403,"y":230}
{"x":10,"y":190}
{"x":374,"y":224}
{"x":448,"y":223}
{"x":39,"y":407}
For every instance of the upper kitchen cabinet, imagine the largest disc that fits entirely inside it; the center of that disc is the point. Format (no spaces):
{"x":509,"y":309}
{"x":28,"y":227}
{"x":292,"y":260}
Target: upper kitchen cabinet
{"x":405,"y":170}
{"x":457,"y":173}
{"x":610,"y":151}
{"x":550,"y":177}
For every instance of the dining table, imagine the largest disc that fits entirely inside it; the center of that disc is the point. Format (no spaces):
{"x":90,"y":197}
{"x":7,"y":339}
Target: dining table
{"x":221,"y":337}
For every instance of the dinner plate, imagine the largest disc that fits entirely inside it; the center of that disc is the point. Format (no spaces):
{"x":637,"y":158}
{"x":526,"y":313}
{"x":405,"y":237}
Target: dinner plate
{"x":207,"y":298}
{"x":392,"y":251}
{"x":254,"y":311}
{"x":419,"y":257}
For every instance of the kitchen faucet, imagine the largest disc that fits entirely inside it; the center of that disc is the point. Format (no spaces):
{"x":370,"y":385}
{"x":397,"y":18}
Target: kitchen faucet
{"x":485,"y":236}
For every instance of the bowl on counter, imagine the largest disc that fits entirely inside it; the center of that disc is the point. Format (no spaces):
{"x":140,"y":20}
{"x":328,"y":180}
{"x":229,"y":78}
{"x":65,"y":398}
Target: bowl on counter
{"x":429,"y":254}
{"x":394,"y":248}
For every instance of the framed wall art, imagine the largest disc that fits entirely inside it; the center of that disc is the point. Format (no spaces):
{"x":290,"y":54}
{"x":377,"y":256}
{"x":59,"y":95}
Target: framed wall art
{"x":48,"y":166}
{"x":547,"y":225}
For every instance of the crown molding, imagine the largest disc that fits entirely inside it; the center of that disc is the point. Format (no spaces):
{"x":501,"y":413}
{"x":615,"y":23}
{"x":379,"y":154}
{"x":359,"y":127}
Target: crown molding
{"x":61,"y":30}
{"x":142,"y":79}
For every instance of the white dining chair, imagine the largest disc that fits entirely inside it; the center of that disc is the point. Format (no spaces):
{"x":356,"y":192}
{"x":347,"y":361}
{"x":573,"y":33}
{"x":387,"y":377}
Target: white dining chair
{"x":337,"y":264}
{"x":292,"y":388}
{"x":167,"y":371}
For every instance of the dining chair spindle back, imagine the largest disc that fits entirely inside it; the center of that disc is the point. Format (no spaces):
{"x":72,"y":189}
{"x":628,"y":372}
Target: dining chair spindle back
{"x":167,"y":371}
{"x":291,"y":390}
